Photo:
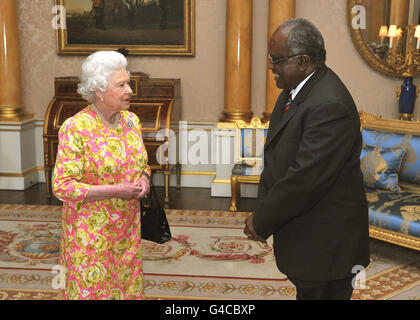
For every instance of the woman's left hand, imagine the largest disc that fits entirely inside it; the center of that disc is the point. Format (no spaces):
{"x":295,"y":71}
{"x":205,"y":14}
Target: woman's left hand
{"x":143,"y":183}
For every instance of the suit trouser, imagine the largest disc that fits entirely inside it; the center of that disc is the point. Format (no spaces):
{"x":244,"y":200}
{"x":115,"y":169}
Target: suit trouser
{"x":341,"y":289}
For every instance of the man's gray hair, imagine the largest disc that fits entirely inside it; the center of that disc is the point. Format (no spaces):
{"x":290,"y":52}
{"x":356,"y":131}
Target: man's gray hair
{"x":97,"y":70}
{"x":304,"y":37}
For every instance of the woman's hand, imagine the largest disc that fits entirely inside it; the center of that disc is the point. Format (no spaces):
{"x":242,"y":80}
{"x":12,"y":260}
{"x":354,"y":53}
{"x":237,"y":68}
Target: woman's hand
{"x":144,"y":184}
{"x":126,"y":191}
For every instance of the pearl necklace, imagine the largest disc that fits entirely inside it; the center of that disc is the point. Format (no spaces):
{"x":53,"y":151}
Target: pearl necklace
{"x":108,"y":124}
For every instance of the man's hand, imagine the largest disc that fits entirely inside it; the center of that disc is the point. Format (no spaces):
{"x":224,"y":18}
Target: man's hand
{"x":250,"y":231}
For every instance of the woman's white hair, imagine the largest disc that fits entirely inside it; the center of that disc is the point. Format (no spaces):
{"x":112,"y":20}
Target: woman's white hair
{"x":97,"y":70}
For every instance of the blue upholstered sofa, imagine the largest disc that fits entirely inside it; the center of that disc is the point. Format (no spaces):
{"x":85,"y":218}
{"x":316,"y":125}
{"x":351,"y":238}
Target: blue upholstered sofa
{"x":390,"y":162}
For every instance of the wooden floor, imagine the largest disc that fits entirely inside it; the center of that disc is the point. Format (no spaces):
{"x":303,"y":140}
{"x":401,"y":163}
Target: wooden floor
{"x":185,"y":198}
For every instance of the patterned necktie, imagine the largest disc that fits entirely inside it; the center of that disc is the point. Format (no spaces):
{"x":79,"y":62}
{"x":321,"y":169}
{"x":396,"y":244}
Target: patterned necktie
{"x":288,"y":103}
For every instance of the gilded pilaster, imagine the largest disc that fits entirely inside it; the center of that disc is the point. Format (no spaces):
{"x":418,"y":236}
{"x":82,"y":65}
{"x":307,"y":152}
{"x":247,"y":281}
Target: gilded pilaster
{"x":238,"y":61}
{"x":279,"y":11}
{"x":399,"y":12}
{"x":11,"y":108}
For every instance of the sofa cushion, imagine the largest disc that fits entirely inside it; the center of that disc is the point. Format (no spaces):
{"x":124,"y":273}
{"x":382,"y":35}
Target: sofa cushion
{"x":245,"y":168}
{"x":397,"y":212}
{"x":253,"y":140}
{"x":410,"y":166}
{"x":380,"y":166}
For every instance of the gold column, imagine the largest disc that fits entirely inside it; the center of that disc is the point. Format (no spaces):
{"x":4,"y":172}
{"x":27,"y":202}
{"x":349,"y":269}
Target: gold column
{"x":11,"y":108}
{"x":375,"y":18}
{"x":238,"y":61}
{"x":399,"y":12}
{"x":279,"y":11}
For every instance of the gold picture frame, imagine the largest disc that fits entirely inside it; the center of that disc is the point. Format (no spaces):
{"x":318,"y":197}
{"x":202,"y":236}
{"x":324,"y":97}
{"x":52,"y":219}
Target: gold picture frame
{"x":146,"y":27}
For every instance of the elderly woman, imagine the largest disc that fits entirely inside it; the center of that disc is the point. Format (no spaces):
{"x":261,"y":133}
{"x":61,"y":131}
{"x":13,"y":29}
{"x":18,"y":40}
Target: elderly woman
{"x":100,"y":174}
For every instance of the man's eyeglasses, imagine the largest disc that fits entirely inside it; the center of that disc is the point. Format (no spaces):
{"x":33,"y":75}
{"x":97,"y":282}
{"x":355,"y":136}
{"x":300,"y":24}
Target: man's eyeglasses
{"x":281,"y":60}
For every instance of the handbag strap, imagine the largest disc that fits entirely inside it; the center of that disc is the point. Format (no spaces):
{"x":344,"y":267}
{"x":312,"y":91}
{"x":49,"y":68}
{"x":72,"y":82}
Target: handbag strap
{"x":154,"y":196}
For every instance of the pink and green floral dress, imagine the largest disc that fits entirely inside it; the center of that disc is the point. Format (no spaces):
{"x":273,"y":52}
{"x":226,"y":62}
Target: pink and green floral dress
{"x":101,"y":244}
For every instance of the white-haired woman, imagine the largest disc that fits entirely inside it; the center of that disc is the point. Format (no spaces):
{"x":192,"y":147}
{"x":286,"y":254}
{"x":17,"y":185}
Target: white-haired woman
{"x":100,"y":173}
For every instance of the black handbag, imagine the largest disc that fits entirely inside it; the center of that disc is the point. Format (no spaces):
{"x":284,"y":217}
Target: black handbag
{"x":154,"y":225}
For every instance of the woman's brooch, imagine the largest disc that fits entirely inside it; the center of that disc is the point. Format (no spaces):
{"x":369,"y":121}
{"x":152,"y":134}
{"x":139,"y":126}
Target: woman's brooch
{"x":130,"y":124}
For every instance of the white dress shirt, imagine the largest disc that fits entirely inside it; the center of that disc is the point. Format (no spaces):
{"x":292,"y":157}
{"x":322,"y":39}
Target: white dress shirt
{"x":295,"y":91}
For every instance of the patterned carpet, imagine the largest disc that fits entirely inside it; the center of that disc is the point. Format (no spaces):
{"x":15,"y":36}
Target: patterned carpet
{"x":208,"y":258}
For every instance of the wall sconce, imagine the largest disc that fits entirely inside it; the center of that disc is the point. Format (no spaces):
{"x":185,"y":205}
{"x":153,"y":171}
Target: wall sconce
{"x":383,"y":32}
{"x":392,"y":33}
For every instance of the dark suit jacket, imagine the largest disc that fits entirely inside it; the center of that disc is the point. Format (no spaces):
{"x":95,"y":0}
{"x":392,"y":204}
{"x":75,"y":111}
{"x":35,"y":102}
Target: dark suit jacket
{"x":311,"y":196}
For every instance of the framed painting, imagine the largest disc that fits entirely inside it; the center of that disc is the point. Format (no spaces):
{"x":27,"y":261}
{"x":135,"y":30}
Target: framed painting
{"x":138,"y":27}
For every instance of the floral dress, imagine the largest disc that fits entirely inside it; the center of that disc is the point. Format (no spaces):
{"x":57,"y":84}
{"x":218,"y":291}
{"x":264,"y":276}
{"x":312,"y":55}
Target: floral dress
{"x":101,"y":245}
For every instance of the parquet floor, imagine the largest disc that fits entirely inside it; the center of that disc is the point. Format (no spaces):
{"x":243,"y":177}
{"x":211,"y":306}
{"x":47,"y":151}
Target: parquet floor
{"x":185,"y":198}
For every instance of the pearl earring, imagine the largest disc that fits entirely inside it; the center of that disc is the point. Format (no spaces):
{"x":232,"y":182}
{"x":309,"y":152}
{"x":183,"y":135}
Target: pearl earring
{"x":102,"y":99}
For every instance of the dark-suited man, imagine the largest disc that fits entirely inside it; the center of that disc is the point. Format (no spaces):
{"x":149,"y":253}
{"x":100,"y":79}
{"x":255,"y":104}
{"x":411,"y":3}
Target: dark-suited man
{"x":311,"y":196}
